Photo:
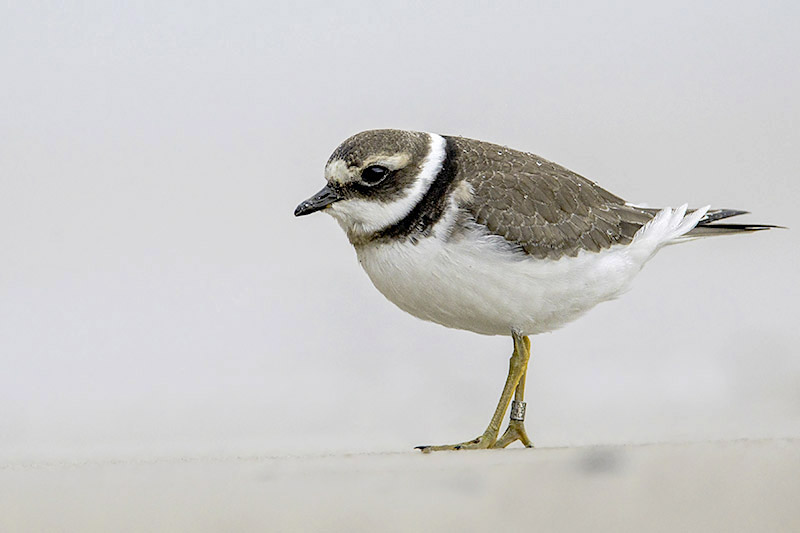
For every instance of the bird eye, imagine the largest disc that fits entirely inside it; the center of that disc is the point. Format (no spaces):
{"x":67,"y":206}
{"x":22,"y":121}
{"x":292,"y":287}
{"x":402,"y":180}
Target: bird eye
{"x":374,"y":174}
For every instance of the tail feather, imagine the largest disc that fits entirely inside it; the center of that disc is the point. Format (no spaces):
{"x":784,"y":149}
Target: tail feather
{"x":671,"y":226}
{"x":710,"y":216}
{"x":719,"y":214}
{"x":707,"y":228}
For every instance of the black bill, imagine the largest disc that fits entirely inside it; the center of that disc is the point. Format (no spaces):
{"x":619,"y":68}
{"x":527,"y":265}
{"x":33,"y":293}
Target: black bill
{"x":319,"y":201}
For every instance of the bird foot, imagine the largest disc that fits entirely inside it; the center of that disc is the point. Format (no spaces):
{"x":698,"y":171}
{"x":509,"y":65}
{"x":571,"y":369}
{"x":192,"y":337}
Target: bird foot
{"x":514,"y":432}
{"x":480,"y":443}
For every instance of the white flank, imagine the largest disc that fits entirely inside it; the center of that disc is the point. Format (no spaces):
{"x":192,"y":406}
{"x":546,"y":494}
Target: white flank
{"x":473,"y":282}
{"x":362,"y":217}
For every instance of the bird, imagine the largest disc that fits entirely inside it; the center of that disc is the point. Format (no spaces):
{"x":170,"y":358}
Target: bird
{"x":480,"y":237}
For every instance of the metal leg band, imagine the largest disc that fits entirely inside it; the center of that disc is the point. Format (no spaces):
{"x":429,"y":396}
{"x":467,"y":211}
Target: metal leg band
{"x":517,"y":411}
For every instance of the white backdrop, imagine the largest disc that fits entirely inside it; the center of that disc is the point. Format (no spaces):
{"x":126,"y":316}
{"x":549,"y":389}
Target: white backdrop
{"x":158,"y":297}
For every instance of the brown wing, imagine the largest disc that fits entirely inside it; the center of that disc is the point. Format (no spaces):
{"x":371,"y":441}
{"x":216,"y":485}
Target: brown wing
{"x":546,"y":209}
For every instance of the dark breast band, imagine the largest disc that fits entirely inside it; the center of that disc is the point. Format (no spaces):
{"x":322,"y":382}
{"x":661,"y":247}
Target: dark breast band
{"x":429,"y":210}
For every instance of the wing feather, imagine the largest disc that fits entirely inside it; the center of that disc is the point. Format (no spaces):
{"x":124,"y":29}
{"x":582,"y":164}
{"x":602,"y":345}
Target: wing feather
{"x":544,"y":208}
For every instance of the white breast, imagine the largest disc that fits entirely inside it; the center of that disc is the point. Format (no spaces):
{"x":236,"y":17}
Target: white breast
{"x":475,"y":283}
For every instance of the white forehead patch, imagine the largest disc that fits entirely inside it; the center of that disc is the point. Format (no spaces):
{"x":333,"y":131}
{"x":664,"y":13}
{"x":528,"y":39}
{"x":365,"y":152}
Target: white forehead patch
{"x":337,"y":172}
{"x":362,"y":217}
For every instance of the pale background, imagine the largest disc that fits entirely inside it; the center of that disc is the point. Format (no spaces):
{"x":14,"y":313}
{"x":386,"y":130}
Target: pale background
{"x":157,"y":297}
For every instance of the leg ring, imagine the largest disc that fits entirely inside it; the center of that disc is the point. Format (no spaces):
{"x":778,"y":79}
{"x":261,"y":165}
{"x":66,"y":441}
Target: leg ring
{"x":517,"y":411}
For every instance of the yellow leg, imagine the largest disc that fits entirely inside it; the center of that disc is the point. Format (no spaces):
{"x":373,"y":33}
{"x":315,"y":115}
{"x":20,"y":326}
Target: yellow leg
{"x":516,"y":372}
{"x":516,"y":426}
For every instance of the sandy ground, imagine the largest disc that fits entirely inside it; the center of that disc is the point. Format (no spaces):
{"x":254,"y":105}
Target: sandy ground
{"x":721,"y":486}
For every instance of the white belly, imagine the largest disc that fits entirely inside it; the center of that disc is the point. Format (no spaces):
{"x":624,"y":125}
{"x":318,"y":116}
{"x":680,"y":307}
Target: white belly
{"x":476,"y":285}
